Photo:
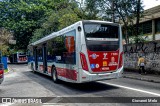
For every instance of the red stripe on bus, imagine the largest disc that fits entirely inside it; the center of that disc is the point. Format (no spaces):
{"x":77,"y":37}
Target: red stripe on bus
{"x":49,"y":69}
{"x":101,"y":61}
{"x":41,"y":68}
{"x":67,"y":73}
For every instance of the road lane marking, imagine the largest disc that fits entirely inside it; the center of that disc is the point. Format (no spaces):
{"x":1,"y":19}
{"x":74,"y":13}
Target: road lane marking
{"x":134,"y":89}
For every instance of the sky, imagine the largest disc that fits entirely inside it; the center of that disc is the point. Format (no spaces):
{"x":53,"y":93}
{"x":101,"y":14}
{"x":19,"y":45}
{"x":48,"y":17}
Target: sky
{"x":147,"y":3}
{"x":150,"y":3}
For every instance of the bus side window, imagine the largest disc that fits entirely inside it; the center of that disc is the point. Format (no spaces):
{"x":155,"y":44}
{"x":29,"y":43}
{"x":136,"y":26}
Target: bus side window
{"x":40,"y":54}
{"x":70,"y":53}
{"x":59,"y":48}
{"x":50,"y":52}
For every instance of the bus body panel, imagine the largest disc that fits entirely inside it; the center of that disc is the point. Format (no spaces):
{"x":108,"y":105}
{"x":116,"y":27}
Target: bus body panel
{"x":103,"y":61}
{"x":100,"y":66}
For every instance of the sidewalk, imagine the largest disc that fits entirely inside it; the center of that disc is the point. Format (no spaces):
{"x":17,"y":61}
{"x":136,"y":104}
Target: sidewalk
{"x":144,"y":77}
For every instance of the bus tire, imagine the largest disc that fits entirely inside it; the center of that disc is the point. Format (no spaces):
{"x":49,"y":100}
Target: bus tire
{"x":54,"y":75}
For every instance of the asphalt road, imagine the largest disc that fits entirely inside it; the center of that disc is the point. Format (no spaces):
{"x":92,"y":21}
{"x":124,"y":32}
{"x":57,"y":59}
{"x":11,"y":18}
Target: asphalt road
{"x":21,"y":82}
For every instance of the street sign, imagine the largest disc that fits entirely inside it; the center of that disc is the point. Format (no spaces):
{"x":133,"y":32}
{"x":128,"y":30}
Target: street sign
{"x":12,"y":42}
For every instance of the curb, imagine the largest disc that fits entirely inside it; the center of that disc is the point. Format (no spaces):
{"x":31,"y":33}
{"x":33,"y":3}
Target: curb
{"x":142,"y":79}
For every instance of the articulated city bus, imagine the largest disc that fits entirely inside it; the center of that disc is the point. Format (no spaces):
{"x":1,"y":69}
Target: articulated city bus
{"x":17,"y":57}
{"x":86,"y":51}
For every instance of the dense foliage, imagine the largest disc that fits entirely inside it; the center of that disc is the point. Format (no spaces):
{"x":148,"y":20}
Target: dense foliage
{"x":4,"y":40}
{"x":30,"y":20}
{"x":22,"y":17}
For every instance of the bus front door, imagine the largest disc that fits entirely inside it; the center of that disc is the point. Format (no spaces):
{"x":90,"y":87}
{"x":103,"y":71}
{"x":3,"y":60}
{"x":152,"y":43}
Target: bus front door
{"x":35,"y":58}
{"x":44,"y":58}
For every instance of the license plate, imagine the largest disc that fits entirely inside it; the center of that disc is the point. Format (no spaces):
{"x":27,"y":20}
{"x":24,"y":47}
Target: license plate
{"x":105,"y":68}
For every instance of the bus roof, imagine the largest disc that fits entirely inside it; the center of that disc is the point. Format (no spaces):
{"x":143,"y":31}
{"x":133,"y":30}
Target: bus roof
{"x":54,"y":34}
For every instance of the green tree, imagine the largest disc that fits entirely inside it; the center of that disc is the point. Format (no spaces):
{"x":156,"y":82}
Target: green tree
{"x":124,"y":11}
{"x":63,"y":15}
{"x":127,"y":11}
{"x":4,"y":40}
{"x":22,"y":17}
{"x":92,"y":11}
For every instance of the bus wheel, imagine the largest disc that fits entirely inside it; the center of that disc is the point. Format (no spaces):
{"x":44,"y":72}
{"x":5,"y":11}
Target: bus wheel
{"x":54,"y":75}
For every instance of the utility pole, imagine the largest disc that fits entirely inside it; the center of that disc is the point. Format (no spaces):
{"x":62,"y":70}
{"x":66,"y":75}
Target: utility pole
{"x":137,"y":21}
{"x":112,"y":7}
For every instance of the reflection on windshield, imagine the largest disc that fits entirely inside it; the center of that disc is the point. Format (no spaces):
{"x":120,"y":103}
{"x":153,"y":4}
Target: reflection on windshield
{"x":100,"y":31}
{"x":101,"y":37}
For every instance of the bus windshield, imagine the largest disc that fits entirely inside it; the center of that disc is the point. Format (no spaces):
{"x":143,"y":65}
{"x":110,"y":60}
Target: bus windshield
{"x":101,"y":37}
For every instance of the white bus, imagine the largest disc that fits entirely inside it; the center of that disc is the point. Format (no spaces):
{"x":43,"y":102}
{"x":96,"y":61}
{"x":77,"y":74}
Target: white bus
{"x":18,"y":57}
{"x":88,"y":50}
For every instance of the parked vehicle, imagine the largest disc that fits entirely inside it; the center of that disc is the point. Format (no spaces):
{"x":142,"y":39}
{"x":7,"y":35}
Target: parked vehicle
{"x":18,"y":57}
{"x":1,"y":73}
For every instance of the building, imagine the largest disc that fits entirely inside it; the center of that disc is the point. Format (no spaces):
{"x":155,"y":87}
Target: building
{"x":149,"y":26}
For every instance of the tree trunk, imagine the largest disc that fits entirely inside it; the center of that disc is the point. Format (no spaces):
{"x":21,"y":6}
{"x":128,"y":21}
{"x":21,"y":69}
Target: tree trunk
{"x":126,"y":37}
{"x":113,"y":18}
{"x":137,"y":22}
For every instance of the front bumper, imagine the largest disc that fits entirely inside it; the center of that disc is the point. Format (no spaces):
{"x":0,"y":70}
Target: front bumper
{"x":87,"y":77}
{"x":22,"y":61}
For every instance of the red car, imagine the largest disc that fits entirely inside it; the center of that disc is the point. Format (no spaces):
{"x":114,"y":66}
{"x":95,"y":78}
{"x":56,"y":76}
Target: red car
{"x":1,"y":73}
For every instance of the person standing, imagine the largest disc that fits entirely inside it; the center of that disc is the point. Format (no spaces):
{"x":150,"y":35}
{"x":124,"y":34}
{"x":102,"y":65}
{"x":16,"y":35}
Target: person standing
{"x":141,"y":64}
